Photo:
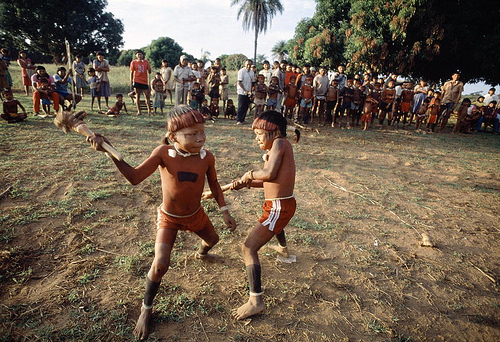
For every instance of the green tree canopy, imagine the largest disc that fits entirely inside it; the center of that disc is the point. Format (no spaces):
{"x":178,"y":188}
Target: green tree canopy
{"x":43,"y":25}
{"x":234,"y":61}
{"x":163,"y":48}
{"x":421,"y":38}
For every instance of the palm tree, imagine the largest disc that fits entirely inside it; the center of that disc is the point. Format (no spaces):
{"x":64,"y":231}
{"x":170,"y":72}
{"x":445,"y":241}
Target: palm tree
{"x":279,"y":50}
{"x":257,"y":14}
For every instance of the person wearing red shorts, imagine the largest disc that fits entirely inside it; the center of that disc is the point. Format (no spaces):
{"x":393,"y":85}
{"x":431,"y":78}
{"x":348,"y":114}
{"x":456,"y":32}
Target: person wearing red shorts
{"x":183,"y":165}
{"x":277,"y":177}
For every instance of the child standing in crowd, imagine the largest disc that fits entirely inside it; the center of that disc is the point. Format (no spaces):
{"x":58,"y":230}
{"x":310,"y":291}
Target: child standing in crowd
{"x":290,"y":97}
{"x":94,"y":83}
{"x":260,"y":91}
{"x":272,"y":92}
{"x":407,"y":95}
{"x":306,"y":95}
{"x":158,"y":88}
{"x":433,"y":111}
{"x":197,"y":96}
{"x":386,"y":103}
{"x":345,"y":110}
{"x":79,"y":68}
{"x":224,"y":87}
{"x":332,"y":100}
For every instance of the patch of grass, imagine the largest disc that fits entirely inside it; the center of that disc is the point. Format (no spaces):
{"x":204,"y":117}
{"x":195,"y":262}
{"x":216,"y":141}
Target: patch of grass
{"x":99,"y":194}
{"x":88,"y":277}
{"x":377,"y":326}
{"x":23,"y":276}
{"x":89,"y":248}
{"x":177,"y":307}
{"x":132,"y":264}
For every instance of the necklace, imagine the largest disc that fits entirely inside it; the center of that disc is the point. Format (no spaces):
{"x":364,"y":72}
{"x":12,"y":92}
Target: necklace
{"x":202,"y":153}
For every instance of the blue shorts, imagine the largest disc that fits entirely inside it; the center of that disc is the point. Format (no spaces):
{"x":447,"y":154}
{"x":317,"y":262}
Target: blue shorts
{"x":304,"y":104}
{"x":272,"y":102}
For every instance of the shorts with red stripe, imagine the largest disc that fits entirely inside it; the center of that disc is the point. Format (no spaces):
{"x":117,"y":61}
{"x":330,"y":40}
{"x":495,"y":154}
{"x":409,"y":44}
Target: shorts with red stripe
{"x":277,"y":213}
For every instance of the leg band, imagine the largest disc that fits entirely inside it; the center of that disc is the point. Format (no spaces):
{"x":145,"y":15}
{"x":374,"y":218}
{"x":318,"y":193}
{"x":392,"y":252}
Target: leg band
{"x":281,"y":238}
{"x":253,"y":273}
{"x":151,"y":290}
{"x":256,"y":294}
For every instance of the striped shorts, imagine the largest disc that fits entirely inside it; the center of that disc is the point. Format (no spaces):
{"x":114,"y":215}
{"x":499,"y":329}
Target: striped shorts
{"x":277,"y":213}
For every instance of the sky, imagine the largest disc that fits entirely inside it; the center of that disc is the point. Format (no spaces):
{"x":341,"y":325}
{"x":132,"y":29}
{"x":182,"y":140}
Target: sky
{"x":208,"y":25}
{"x":211,"y":25}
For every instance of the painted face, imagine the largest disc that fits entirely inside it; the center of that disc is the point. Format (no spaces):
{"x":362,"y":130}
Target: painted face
{"x":191,"y":139}
{"x":264,"y":139}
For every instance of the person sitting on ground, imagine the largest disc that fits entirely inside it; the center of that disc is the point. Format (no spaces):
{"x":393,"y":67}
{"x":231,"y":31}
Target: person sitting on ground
{"x":38,"y":92}
{"x":62,"y":79}
{"x":10,"y":112}
{"x":119,"y":104}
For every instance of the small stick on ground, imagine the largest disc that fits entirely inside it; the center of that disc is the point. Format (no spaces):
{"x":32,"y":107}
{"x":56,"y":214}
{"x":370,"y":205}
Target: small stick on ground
{"x":6,"y":191}
{"x":484,"y":273}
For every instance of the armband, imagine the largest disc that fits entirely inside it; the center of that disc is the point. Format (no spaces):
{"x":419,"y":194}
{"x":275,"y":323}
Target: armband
{"x":224,"y":208}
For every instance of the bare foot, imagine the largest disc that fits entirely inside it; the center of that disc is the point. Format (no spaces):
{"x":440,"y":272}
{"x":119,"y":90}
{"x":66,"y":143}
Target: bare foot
{"x":141,"y":330}
{"x":208,"y":257}
{"x":283,"y":251}
{"x":249,"y":309}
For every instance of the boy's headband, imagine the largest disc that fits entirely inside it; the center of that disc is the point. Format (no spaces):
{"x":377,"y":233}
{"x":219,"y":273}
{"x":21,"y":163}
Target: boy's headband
{"x":264,"y":124}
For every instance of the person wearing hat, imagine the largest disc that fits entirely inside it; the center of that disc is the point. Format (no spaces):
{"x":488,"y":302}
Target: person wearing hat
{"x":62,"y":79}
{"x":183,"y":75}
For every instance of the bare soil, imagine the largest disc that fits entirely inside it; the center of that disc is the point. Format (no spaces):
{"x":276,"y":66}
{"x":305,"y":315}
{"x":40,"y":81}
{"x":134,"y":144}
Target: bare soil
{"x":76,"y":239}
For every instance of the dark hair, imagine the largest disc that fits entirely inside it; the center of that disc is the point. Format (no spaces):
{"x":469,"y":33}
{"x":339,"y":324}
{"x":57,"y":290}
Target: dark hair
{"x":139,"y":51}
{"x":61,"y":68}
{"x":91,"y":70}
{"x":40,"y":67}
{"x":273,"y":121}
{"x":265,"y":62}
{"x":99,"y":53}
{"x":492,"y":89}
{"x":494,"y":102}
{"x":183,"y":116}
{"x":467,"y":100}
{"x":119,"y":95}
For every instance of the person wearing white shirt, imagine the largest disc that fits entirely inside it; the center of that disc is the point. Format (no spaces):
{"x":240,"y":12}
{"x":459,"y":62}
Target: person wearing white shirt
{"x":491,"y":96}
{"x":244,"y":90}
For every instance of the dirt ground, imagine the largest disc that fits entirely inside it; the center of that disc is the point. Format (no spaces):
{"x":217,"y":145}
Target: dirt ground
{"x":77,"y":240}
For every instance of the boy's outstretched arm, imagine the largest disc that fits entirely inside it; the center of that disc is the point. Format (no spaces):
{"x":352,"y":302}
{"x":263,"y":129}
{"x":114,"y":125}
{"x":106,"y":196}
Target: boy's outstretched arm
{"x":133,"y":175}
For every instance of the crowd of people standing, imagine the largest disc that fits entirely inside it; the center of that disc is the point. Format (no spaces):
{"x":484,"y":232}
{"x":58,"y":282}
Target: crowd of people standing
{"x":304,"y":95}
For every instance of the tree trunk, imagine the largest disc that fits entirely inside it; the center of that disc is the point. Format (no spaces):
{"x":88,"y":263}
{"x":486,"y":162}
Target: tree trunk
{"x":255,"y":42}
